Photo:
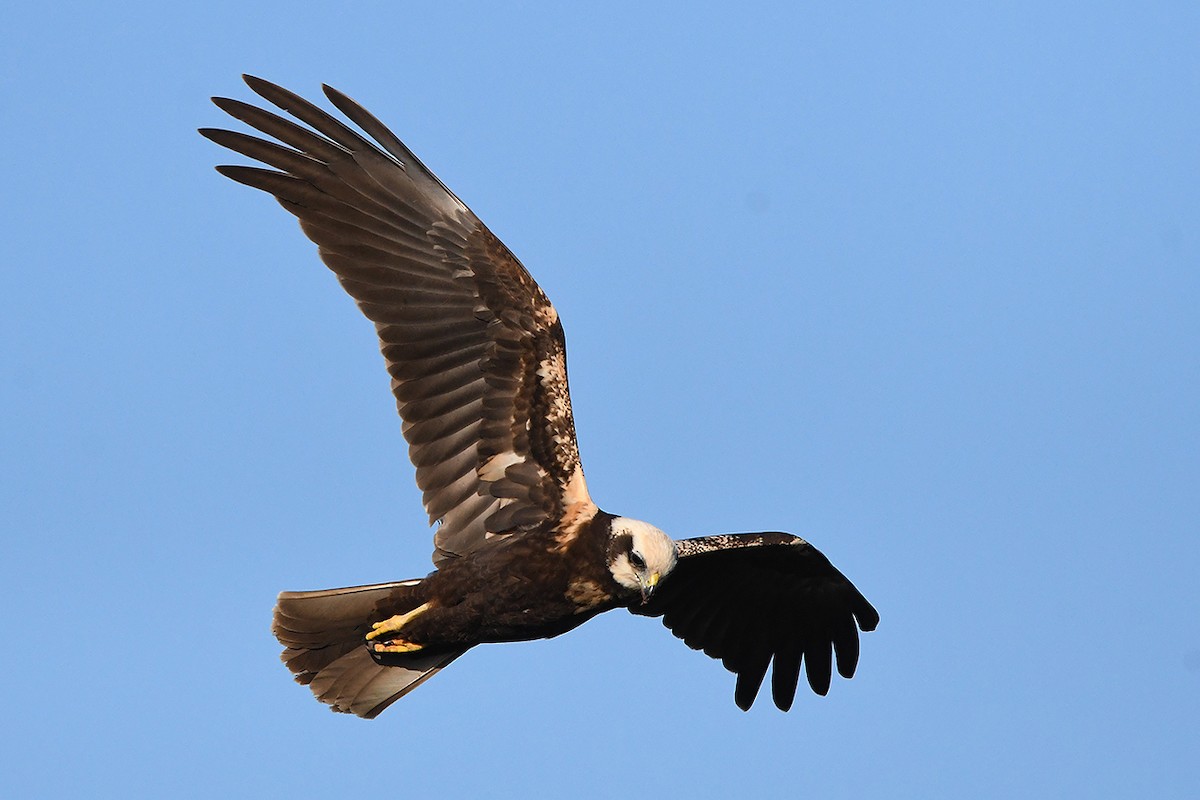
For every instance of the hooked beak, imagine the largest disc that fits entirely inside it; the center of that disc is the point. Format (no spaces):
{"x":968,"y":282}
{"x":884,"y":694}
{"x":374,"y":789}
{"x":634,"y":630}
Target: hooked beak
{"x":649,"y":586}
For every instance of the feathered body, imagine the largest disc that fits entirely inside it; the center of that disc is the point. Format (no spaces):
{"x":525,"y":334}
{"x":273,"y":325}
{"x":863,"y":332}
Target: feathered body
{"x":477,"y":358}
{"x":532,"y":586}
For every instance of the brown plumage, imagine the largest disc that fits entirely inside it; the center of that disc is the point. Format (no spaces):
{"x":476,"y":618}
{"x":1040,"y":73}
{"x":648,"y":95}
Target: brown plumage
{"x":477,"y":357}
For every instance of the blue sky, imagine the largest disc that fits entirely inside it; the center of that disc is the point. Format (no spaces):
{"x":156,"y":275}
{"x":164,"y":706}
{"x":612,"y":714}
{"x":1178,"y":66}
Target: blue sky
{"x":919,"y":284}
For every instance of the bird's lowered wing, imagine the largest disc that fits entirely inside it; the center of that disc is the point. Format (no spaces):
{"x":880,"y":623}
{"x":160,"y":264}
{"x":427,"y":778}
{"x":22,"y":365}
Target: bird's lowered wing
{"x":474,"y":347}
{"x":752,"y":598}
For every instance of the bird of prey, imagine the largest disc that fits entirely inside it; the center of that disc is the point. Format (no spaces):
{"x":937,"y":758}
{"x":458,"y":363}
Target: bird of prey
{"x":478,"y":367}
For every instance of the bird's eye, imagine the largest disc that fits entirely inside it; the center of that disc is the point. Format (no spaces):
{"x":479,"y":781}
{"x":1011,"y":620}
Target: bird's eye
{"x":637,"y":561}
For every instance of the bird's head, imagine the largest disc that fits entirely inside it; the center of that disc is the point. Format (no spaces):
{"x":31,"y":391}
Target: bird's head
{"x":639,"y":555}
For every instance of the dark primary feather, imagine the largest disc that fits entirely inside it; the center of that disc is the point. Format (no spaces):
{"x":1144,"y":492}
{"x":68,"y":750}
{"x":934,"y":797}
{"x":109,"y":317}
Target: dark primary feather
{"x":474,"y":347}
{"x":754,"y":599}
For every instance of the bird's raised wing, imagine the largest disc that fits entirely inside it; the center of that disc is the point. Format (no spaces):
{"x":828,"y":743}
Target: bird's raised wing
{"x":475,"y":349}
{"x":751,"y":598}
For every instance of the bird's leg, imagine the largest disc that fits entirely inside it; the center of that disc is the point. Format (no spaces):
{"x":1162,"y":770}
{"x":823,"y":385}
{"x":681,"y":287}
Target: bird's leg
{"x":383,"y":631}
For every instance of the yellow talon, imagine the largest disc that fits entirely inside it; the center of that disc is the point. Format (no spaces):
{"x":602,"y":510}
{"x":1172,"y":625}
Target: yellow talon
{"x":396,"y":646}
{"x":393,"y":625}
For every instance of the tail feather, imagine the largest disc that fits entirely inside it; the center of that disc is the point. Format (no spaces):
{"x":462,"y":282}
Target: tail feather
{"x":322,"y":633}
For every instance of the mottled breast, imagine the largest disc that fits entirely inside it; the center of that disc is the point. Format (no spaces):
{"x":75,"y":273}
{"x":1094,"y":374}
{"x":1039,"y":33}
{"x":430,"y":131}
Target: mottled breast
{"x":587,"y":594}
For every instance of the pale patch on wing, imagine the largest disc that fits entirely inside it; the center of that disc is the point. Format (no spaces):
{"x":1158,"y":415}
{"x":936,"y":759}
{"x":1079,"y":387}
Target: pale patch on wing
{"x":734,"y":541}
{"x":559,"y":420}
{"x":553,"y":374}
{"x":493,"y":469}
{"x":578,"y":508}
{"x":544,"y":312}
{"x":577,"y":500}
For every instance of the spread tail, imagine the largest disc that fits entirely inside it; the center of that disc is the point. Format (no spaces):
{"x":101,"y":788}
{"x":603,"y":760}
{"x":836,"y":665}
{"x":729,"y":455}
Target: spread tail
{"x":323,"y":636}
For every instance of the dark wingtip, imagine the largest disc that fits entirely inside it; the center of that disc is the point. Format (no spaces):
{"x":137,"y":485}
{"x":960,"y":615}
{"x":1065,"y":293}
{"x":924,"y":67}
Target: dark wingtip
{"x":332,"y":93}
{"x":226,"y":104}
{"x":867,"y":616}
{"x":254,"y":177}
{"x":272,"y":93}
{"x":819,"y":679}
{"x":846,"y":651}
{"x":749,"y":681}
